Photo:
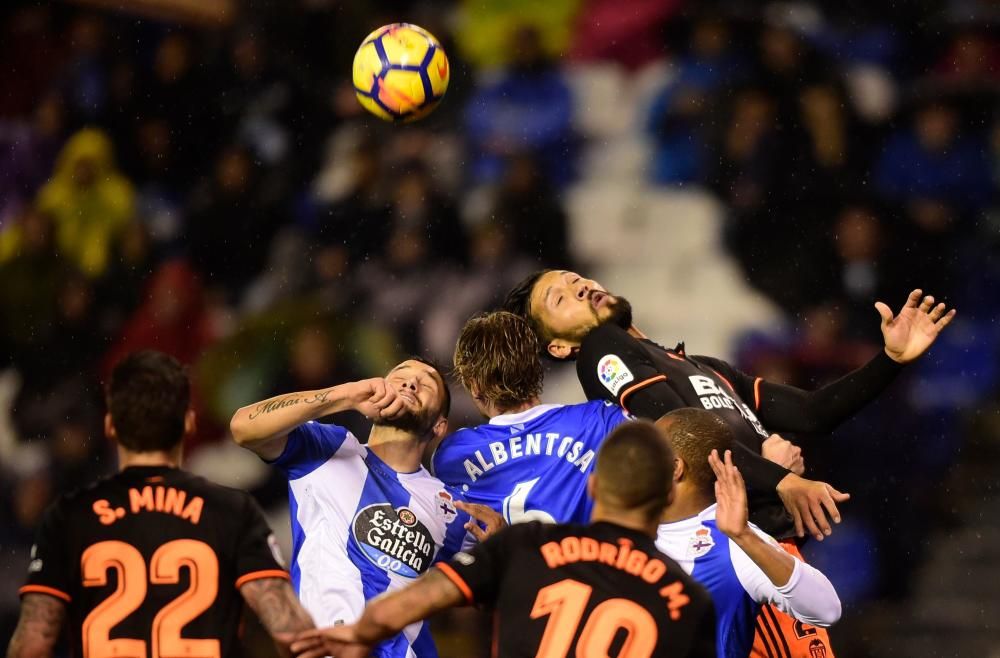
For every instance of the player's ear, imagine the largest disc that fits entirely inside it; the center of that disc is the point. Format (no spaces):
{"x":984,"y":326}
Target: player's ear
{"x":440,"y":428}
{"x":190,"y":423}
{"x":592,"y":486}
{"x":679,"y":469}
{"x":109,"y":428}
{"x":561,"y":349}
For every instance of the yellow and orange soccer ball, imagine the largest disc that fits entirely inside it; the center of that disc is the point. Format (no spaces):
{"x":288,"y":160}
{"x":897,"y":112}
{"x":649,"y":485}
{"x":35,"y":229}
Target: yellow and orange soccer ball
{"x":400,"y":72}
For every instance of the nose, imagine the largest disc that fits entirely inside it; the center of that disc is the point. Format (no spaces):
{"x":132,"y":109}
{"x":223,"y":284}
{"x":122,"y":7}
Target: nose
{"x":410,"y":383}
{"x":582,"y":291}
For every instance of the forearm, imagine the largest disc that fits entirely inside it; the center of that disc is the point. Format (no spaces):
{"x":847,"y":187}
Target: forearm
{"x":38,"y":627}
{"x":799,"y":590}
{"x":277,"y":608}
{"x":262,"y":422}
{"x":786,"y":408}
{"x":761,"y":474}
{"x":388,"y":615}
{"x":775,"y":563}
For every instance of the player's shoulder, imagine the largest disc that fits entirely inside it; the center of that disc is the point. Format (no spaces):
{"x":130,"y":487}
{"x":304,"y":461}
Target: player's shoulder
{"x":604,"y":337}
{"x":453,"y":447}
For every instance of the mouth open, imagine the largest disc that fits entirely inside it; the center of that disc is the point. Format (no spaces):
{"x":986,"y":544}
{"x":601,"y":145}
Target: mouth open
{"x":599,"y":299}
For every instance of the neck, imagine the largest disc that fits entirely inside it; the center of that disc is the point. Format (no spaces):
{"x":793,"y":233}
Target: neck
{"x":631,"y":519}
{"x":402,"y":451}
{"x":492,"y":411}
{"x":169,"y":458}
{"x":685,"y":505}
{"x":634,"y":331}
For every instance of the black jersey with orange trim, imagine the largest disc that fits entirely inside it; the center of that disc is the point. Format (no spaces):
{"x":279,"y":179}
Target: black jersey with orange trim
{"x":576,"y":590}
{"x":649,"y":380}
{"x":152,"y":557}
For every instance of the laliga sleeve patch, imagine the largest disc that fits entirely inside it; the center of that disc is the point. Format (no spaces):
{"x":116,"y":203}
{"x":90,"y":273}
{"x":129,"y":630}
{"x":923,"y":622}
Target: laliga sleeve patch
{"x":613,"y":373}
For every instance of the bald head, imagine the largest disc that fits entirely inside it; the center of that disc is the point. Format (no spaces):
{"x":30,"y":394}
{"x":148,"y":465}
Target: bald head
{"x":634,"y":469}
{"x":693,"y":434}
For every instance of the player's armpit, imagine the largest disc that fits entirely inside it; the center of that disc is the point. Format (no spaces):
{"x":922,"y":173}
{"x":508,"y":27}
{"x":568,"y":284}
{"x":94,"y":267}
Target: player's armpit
{"x":275,"y":604}
{"x":38,"y":627}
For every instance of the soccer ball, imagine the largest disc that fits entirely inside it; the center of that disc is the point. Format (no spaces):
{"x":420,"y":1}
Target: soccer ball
{"x":400,"y":72}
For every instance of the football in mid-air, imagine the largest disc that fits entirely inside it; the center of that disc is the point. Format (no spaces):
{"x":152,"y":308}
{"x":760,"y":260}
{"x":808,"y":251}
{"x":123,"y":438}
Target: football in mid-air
{"x":400,"y":72}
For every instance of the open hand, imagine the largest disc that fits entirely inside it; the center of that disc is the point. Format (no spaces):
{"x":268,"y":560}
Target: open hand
{"x":731,"y":514}
{"x":909,"y":334}
{"x":377,"y":399}
{"x":491,"y":520}
{"x":336,"y":641}
{"x":809,"y":502}
{"x":780,"y":450}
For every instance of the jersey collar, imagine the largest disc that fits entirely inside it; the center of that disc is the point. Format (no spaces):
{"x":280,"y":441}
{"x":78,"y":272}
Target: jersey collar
{"x":691,"y":522}
{"x":524,"y":416}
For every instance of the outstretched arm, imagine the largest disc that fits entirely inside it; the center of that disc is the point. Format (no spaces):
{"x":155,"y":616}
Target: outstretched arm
{"x":263,"y":427}
{"x":907,"y":335}
{"x":383,"y":618}
{"x":38,"y":627}
{"x":768,"y":573}
{"x":274,"y":603}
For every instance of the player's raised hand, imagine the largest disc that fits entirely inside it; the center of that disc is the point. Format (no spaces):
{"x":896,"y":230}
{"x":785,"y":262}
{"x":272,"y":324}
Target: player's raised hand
{"x":809,"y":502}
{"x":377,"y":399}
{"x":336,"y":641}
{"x":909,"y":334}
{"x":491,"y":521}
{"x":731,"y":514}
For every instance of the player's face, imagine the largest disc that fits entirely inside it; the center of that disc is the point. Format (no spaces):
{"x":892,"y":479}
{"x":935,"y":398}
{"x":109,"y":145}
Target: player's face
{"x":422,"y":390}
{"x":570,"y":306}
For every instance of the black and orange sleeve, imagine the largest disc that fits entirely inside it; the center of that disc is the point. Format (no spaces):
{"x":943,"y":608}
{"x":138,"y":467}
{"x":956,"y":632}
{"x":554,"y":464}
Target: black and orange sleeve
{"x":613,"y":365}
{"x":479,"y":572}
{"x":257,"y":553}
{"x":50,"y":571}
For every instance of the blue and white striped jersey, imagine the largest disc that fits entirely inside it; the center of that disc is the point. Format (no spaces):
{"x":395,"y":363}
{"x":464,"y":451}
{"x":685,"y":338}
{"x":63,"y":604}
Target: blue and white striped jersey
{"x":738,"y":586}
{"x":533,"y":465}
{"x":359,"y":529}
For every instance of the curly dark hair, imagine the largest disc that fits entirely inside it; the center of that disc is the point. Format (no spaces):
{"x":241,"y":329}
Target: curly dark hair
{"x":497,"y":357}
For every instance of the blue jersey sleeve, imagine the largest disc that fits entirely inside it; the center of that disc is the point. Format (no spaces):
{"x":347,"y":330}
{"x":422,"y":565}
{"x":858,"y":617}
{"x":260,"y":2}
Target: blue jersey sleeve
{"x":607,"y":416}
{"x":446,"y":463}
{"x":308,"y":447}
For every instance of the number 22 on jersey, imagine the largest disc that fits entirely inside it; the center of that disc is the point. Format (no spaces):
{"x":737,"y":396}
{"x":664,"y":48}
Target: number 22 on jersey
{"x":164,"y":569}
{"x":565,"y":602}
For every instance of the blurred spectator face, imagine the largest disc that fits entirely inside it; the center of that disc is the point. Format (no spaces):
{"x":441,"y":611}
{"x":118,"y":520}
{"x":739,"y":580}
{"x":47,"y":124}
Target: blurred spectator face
{"x":37,"y":230}
{"x":529,"y":53}
{"x":523,"y":175}
{"x":71,"y":442}
{"x":753,"y":117}
{"x":85,"y":172}
{"x":312,"y":359}
{"x":412,"y":192}
{"x":936,"y":127}
{"x":232,"y":172}
{"x":781,"y":51}
{"x":973,"y":57}
{"x":173,"y":58}
{"x":824,"y":117}
{"x":858,"y":235}
{"x":247,"y":56}
{"x":407,"y":248}
{"x":31,"y":496}
{"x":710,"y":38}
{"x":823,"y":326}
{"x":75,"y":299}
{"x":86,"y":35}
{"x":50,"y":117}
{"x":134,"y":246}
{"x":153,"y":136}
{"x":490,"y":245}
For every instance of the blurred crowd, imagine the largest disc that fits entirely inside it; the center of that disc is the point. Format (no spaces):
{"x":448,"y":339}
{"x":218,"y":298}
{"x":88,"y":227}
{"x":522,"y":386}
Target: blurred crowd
{"x":217,"y":193}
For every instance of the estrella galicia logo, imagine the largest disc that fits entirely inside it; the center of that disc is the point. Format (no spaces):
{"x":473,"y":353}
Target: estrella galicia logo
{"x":394,"y":540}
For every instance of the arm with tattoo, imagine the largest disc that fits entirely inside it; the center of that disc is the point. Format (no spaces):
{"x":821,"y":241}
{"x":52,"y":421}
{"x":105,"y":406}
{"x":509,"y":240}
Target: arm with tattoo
{"x":275,"y":605}
{"x":264,"y":426}
{"x":38,"y":627}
